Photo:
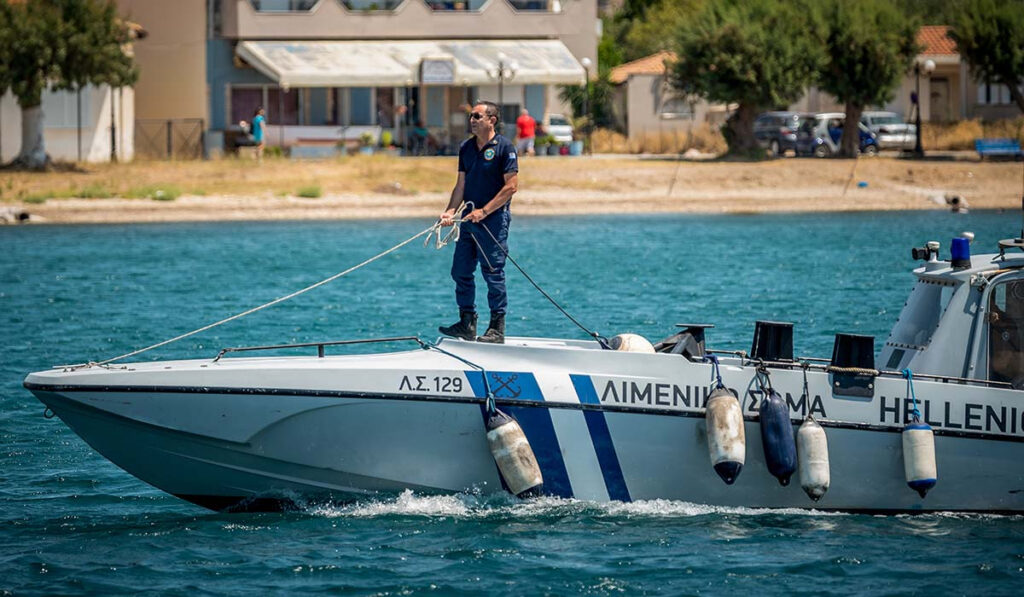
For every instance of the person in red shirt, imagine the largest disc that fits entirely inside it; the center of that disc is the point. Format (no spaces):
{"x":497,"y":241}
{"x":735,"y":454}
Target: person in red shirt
{"x":526,"y":132}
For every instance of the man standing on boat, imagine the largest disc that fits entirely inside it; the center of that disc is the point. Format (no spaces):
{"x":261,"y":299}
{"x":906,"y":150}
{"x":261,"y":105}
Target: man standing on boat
{"x":488,"y":177}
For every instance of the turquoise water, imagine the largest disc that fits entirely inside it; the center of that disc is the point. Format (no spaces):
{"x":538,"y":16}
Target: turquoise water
{"x":72,"y":523}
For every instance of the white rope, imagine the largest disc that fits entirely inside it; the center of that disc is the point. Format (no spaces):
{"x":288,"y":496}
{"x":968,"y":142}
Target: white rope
{"x":435,"y":229}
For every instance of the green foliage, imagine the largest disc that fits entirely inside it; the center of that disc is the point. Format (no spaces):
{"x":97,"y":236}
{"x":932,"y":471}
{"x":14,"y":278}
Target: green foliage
{"x":989,"y":35}
{"x":599,"y":103}
{"x":756,"y":53}
{"x":95,"y":191}
{"x":36,"y":199}
{"x":157,"y":192}
{"x":929,"y":12}
{"x":655,"y":32}
{"x":310,"y":192}
{"x":869,"y":47}
{"x":32,"y":48}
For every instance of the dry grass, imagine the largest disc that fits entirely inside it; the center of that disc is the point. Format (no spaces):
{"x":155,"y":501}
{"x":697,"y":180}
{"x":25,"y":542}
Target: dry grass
{"x":704,"y":138}
{"x":961,"y":135}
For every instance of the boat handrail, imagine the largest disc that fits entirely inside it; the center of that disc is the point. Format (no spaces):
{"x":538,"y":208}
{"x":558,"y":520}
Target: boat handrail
{"x":320,"y":345}
{"x":824,"y":365}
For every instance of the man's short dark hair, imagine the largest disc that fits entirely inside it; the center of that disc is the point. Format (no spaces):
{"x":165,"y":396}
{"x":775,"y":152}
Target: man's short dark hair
{"x":491,"y":110}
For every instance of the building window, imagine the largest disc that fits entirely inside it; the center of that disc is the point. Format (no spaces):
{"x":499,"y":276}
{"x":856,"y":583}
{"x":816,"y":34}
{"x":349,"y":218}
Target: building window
{"x":991,"y":94}
{"x":536,"y":5}
{"x":244,"y":101}
{"x":283,"y":5}
{"x":1006,"y":333}
{"x":360,"y":106}
{"x":371,"y":5}
{"x":456,"y":5}
{"x":282,"y":106}
{"x":671,"y":104}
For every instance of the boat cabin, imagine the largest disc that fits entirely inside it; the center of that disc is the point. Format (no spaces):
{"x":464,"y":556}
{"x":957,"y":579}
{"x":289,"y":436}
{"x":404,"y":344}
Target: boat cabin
{"x":963,"y":318}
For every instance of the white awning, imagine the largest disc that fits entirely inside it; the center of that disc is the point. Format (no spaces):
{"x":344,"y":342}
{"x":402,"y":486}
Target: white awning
{"x":398,"y":63}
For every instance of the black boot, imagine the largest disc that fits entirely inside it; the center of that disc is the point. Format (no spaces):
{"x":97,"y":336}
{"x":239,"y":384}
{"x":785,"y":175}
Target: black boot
{"x":465,"y":328}
{"x":495,"y":331}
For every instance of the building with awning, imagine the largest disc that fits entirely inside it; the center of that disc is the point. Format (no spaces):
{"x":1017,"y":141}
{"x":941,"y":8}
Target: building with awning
{"x":334,"y":70}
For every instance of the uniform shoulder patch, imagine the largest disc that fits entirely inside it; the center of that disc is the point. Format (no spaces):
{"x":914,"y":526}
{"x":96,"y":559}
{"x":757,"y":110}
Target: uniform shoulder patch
{"x":489,"y":154}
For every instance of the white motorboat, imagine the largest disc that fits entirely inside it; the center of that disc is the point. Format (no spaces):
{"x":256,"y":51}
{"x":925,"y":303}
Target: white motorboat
{"x":257,"y":432}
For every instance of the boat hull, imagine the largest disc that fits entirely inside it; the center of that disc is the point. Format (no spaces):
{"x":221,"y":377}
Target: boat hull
{"x":259,"y":449}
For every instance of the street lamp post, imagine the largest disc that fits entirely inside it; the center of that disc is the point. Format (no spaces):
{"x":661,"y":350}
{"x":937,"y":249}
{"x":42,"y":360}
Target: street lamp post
{"x":505,"y":70}
{"x":586,"y":102}
{"x":929,"y":66}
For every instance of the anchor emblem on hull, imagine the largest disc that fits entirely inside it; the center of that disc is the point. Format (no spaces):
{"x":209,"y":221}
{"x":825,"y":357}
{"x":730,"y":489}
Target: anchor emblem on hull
{"x":506,"y":384}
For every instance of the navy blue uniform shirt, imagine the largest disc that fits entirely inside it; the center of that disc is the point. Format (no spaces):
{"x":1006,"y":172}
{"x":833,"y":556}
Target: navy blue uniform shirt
{"x":486,"y":169}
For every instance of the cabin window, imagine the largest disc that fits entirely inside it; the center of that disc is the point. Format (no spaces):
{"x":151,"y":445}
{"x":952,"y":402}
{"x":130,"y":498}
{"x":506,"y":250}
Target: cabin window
{"x":921,"y":315}
{"x":1006,"y":333}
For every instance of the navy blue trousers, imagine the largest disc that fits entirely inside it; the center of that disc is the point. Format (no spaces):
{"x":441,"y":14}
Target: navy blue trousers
{"x":476,"y":246}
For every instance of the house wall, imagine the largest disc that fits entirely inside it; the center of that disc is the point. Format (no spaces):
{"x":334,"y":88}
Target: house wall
{"x":641,"y":100}
{"x":60,"y":131}
{"x":171,"y":59}
{"x":575,"y":24}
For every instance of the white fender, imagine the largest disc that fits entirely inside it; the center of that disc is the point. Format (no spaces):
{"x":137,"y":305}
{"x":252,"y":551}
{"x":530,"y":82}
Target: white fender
{"x":919,"y":457}
{"x":513,"y":454}
{"x":812,"y":456}
{"x":726,"y":435}
{"x":630,"y":343}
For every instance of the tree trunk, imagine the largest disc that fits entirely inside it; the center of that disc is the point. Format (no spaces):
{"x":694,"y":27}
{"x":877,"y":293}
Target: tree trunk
{"x":33,"y":148}
{"x":1016,"y":94}
{"x":740,"y":132}
{"x":849,"y":145}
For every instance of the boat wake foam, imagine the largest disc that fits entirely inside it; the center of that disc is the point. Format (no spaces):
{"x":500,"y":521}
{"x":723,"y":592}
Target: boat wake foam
{"x":471,"y":506}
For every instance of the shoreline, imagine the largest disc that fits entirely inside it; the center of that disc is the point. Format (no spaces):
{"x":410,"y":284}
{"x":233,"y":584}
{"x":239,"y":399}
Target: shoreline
{"x":391,"y":188}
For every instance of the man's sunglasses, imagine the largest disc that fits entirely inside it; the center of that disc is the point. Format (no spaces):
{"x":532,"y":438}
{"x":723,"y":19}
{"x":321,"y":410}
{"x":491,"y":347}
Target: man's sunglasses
{"x":476,"y":116}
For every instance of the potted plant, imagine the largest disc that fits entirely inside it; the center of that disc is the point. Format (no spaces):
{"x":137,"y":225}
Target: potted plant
{"x":366,"y":143}
{"x":540,"y":145}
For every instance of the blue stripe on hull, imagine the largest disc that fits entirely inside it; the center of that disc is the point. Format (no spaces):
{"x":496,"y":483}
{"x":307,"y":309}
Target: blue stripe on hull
{"x":536,"y":424}
{"x":603,"y":446}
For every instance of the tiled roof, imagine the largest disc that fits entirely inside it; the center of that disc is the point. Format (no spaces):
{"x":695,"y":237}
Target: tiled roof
{"x":648,"y":65}
{"x":934,"y":40}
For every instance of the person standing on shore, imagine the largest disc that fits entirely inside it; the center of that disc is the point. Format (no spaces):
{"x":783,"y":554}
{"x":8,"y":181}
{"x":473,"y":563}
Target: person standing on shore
{"x":259,"y":122}
{"x":488,"y":177}
{"x":526,"y":132}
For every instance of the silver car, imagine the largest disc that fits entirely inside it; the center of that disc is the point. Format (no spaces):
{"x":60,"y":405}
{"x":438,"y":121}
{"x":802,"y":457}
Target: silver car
{"x":892,"y":132}
{"x":560,"y":128}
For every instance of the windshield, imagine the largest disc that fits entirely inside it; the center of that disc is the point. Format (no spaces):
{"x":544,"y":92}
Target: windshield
{"x":886,"y":120}
{"x":921,"y":315}
{"x":558,"y":120}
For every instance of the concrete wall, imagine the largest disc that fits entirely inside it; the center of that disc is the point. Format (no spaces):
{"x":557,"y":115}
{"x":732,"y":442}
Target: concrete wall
{"x":638,"y":106}
{"x":60,"y":132}
{"x":171,"y":59}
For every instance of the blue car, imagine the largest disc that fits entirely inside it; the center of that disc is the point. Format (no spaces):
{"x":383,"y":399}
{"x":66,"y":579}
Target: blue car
{"x":819,"y":136}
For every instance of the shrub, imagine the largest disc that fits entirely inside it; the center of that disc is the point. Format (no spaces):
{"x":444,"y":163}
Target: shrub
{"x":310,"y":192}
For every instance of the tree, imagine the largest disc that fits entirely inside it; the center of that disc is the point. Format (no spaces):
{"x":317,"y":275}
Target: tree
{"x":33,"y":51}
{"x":755,"y":53}
{"x":58,"y":44}
{"x":990,"y":36}
{"x":869,"y":46}
{"x":654,"y":32}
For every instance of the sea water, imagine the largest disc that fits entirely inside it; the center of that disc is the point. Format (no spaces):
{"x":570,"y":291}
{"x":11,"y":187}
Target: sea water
{"x":73,"y":523}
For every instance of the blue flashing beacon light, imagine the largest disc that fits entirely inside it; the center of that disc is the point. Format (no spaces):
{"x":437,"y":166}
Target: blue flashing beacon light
{"x":960,"y":251}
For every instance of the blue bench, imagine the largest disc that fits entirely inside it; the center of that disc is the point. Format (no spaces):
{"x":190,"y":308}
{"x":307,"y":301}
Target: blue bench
{"x":998,"y":148}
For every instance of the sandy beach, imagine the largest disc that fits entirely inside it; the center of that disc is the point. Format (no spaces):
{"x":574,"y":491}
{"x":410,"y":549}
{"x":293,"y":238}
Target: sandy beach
{"x":390,"y":187}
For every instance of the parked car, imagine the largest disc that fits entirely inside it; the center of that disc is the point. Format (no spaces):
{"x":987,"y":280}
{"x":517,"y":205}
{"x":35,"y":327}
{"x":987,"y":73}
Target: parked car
{"x":776,"y":131}
{"x":819,"y":136}
{"x":560,"y":128}
{"x":890,"y":129}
